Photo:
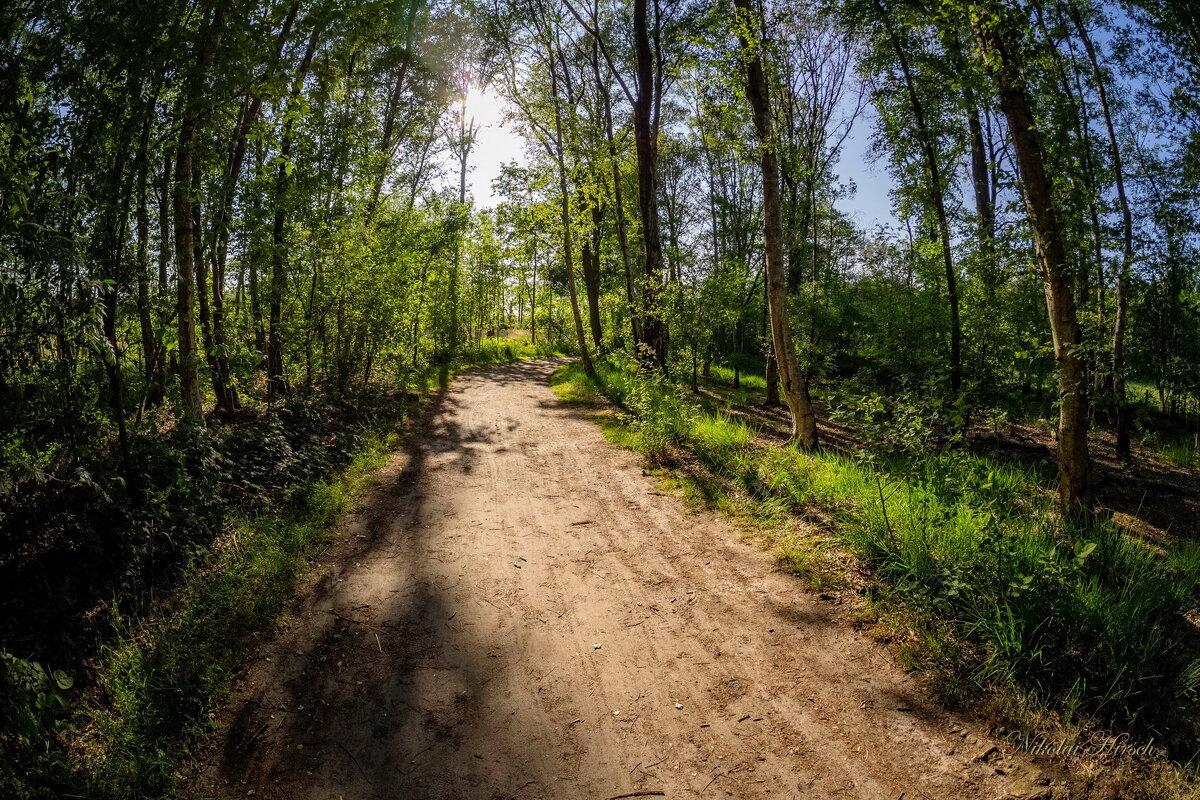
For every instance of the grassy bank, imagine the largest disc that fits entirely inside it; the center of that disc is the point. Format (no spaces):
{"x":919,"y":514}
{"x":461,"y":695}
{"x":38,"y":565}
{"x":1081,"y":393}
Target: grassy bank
{"x":125,"y":727}
{"x":965,"y":562}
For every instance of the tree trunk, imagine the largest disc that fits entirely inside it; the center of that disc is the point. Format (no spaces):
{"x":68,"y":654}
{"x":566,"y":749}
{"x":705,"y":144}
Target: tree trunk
{"x":227,"y":398}
{"x":145,"y":320}
{"x":1074,"y":480}
{"x":591,"y":278}
{"x":1120,"y":401}
{"x":984,"y":209}
{"x":206,"y":327}
{"x":565,"y":218}
{"x":189,"y":357}
{"x":795,"y":385}
{"x":533,"y":294}
{"x":114,"y":216}
{"x":618,"y":203}
{"x":646,"y":146}
{"x":275,"y":377}
{"x":771,"y":373}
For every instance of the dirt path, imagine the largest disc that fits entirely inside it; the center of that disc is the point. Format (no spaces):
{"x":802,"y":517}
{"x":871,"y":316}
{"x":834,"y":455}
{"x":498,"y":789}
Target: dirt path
{"x":518,"y":613}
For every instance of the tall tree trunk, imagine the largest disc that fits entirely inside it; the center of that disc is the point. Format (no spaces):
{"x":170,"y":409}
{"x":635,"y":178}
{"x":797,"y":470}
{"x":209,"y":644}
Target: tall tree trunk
{"x":771,"y":373}
{"x":1074,"y":468}
{"x":388,"y":137}
{"x":145,"y":320}
{"x":591,"y":278}
{"x":565,"y":218}
{"x":645,"y":137}
{"x":618,"y":198}
{"x":115,"y":215}
{"x":189,"y":357}
{"x":166,"y":232}
{"x":189,"y":376}
{"x":275,"y":377}
{"x":984,"y":208}
{"x":533,"y":294}
{"x":1120,"y":401}
{"x":227,"y":398}
{"x":466,"y":139}
{"x":205,"y":307}
{"x":795,"y":385}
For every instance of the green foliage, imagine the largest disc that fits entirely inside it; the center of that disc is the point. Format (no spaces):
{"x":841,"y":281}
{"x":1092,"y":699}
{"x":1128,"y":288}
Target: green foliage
{"x":331,"y":252}
{"x":905,"y":422}
{"x":35,"y":706}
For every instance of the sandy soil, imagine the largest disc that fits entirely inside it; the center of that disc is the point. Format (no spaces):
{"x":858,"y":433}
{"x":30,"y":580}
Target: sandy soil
{"x":518,"y":612}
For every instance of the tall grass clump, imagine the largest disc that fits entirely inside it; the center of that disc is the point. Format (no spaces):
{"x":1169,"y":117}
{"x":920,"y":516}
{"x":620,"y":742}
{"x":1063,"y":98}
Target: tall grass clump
{"x":1000,"y":593}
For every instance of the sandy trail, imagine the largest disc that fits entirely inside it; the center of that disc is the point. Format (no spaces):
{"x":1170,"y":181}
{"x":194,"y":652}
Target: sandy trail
{"x":517,"y":612}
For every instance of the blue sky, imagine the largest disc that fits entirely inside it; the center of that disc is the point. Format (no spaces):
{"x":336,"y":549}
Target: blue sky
{"x":498,"y":144}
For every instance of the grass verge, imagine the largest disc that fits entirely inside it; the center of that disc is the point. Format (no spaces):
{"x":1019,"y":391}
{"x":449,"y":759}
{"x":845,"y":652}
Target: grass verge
{"x":1066,"y":629}
{"x":159,"y":680}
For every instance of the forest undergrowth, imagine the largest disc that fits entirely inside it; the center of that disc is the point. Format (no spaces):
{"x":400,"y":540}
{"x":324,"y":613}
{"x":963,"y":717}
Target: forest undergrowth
{"x":132,"y":687}
{"x":1072,"y":630}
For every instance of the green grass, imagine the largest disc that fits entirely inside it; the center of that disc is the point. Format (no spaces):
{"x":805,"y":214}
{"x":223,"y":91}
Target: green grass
{"x":752,"y":386}
{"x":1144,"y":393}
{"x":1183,"y":451}
{"x":996,"y":594}
{"x":748,"y":380}
{"x":486,"y":351}
{"x":502,"y":351}
{"x":159,"y":680}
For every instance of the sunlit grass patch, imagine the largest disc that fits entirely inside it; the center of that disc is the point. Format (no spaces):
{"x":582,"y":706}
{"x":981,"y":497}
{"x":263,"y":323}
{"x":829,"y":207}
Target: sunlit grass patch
{"x":747,"y":380}
{"x":1182,"y":452}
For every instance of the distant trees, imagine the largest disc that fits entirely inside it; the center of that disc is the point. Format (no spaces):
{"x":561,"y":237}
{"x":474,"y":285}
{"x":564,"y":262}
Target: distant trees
{"x":1024,"y":192}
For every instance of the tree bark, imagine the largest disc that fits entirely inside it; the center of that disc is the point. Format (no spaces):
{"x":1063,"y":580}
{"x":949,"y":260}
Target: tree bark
{"x":275,"y":378}
{"x":771,"y":372}
{"x":189,"y":356}
{"x":1074,"y":468}
{"x":1120,"y":401}
{"x":565,"y":218}
{"x":227,"y":398}
{"x":591,"y":278}
{"x":206,"y":327}
{"x":984,"y":209}
{"x":145,"y":320}
{"x":618,"y":198}
{"x":795,"y":385}
{"x":654,"y":352}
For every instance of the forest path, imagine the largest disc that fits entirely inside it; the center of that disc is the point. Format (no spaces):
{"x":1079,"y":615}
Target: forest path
{"x":517,"y":612}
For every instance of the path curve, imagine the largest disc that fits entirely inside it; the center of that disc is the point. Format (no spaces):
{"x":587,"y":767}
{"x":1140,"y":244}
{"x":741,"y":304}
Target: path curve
{"x":518,"y":612}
